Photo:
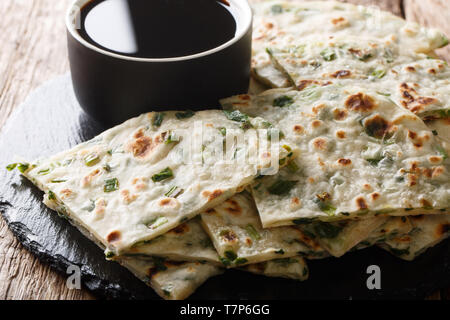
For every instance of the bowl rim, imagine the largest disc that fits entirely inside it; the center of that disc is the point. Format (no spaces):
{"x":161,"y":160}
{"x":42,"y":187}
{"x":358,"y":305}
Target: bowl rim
{"x":76,"y":5}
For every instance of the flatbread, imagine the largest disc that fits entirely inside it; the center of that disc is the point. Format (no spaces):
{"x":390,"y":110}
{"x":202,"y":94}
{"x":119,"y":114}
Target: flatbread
{"x":428,"y":231}
{"x":339,"y":237}
{"x":294,"y":268}
{"x":360,"y":155}
{"x":239,"y":238}
{"x":172,"y":280}
{"x":414,"y":81}
{"x":148,"y":175}
{"x":276,"y":21}
{"x":392,"y":228}
{"x":187,"y":242}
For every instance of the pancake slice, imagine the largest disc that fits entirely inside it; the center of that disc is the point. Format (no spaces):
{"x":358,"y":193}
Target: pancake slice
{"x":150,"y":174}
{"x":360,"y":156}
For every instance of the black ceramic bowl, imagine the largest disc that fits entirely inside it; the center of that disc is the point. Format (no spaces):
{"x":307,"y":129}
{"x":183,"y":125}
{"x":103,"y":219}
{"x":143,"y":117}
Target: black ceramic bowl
{"x":113,"y":88}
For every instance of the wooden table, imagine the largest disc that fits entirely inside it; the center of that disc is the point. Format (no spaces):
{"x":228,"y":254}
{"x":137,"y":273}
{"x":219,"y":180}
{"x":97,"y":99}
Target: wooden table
{"x":33,"y":50}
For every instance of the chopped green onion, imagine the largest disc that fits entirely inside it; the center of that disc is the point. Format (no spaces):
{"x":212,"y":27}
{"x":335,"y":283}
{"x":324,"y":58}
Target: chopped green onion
{"x":328,"y":54}
{"x":157,"y":222}
{"x":283,"y":101}
{"x":184,"y":115}
{"x":293,"y":167}
{"x":327,"y":230}
{"x":276,"y":9}
{"x":171,"y":139}
{"x":252,"y":232}
{"x":442,"y":151}
{"x":226,"y":262}
{"x":58,"y":181}
{"x":223,"y":131}
{"x":240,"y":261}
{"x":43,"y":172}
{"x":174,"y":192}
{"x":51,"y":195}
{"x":91,"y":160}
{"x":111,"y":185}
{"x":163,"y":175}
{"x":231,"y":255}
{"x":158,"y":119}
{"x":159,"y":263}
{"x":378,"y":73}
{"x":325,"y":206}
{"x":281,"y":187}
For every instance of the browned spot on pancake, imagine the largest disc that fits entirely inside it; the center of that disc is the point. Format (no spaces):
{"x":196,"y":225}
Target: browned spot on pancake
{"x":165,"y":202}
{"x":438,"y":171}
{"x":303,"y":84}
{"x":410,"y":69}
{"x":340,"y":134}
{"x":233,"y":207}
{"x":412,"y":101}
{"x":113,"y":236}
{"x":228,"y":235}
{"x":427,"y":172}
{"x":375,"y":196}
{"x":344,"y":162}
{"x":442,"y":229}
{"x":265,"y":155}
{"x":141,"y":146}
{"x":432,"y":71}
{"x":317,"y":109}
{"x":425,"y":101}
{"x":269,"y":25}
{"x":139,"y":133}
{"x":295,"y":200}
{"x":298,"y":129}
{"x":245,"y":97}
{"x":339,"y":21}
{"x":311,"y":180}
{"x":248,"y":241}
{"x":320,"y":143}
{"x":377,"y":127}
{"x":127,"y":196}
{"x":316,"y":123}
{"x":212,"y":195}
{"x":340,"y":114}
{"x":182,"y":228}
{"x":356,"y":52}
{"x":87,"y":180}
{"x":412,"y":178}
{"x":325,"y":196}
{"x":210,"y":211}
{"x":412,"y":134}
{"x":360,"y":102}
{"x":320,"y":161}
{"x":65,"y":193}
{"x":341,"y":74}
{"x":367,"y":187}
{"x":425,"y":203}
{"x":361,"y":203}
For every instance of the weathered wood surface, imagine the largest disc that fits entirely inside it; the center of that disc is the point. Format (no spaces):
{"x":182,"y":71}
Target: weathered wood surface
{"x":33,"y":50}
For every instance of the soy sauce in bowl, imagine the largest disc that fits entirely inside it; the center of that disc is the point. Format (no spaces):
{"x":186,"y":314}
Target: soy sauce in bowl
{"x":157,"y":28}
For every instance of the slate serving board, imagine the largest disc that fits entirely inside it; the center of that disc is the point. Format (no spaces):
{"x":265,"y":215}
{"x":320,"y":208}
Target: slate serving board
{"x":50,"y":120}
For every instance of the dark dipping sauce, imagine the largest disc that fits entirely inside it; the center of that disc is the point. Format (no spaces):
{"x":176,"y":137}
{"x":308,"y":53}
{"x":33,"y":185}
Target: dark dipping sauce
{"x":157,"y":28}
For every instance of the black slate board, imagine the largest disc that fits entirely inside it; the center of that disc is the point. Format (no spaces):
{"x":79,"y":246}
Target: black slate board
{"x":51,"y":121}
